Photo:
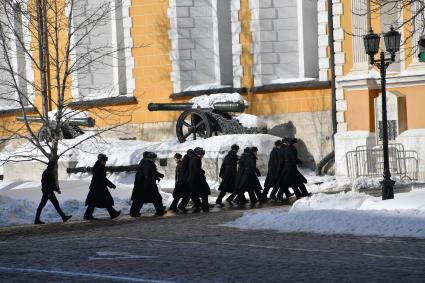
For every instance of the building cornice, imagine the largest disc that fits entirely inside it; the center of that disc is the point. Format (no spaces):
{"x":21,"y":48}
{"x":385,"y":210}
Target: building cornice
{"x":374,"y":82}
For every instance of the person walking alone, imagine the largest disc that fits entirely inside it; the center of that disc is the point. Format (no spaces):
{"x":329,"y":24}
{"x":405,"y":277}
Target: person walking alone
{"x":99,"y":195}
{"x":145,"y":189}
{"x":48,"y":187}
{"x":228,"y":172}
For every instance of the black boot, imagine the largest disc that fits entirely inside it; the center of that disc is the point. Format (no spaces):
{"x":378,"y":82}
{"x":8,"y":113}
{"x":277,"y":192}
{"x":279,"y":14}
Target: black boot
{"x":66,"y":218}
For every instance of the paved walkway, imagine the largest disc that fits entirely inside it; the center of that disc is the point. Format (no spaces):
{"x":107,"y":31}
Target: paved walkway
{"x":196,"y":248}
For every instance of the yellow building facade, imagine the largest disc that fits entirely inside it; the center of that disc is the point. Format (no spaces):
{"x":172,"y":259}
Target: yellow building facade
{"x":274,"y":53}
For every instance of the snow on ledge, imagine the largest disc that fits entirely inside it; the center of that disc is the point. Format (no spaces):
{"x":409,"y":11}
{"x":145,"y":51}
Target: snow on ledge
{"x":205,"y":87}
{"x":292,"y":80}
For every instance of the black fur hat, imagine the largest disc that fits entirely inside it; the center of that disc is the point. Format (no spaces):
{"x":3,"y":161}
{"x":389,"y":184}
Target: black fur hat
{"x":177,"y":156}
{"x":278,"y":143}
{"x":102,"y":157}
{"x":151,"y":155}
{"x":254,"y":149}
{"x":199,"y":150}
{"x":234,"y":147}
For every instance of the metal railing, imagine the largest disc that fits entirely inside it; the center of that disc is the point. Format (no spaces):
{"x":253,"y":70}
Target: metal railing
{"x":369,"y":162}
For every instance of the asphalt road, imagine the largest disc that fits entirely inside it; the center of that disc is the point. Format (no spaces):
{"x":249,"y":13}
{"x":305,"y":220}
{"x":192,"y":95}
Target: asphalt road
{"x":195,"y":248}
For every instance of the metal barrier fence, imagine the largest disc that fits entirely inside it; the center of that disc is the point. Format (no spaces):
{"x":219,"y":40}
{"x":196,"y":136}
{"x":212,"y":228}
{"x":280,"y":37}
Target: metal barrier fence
{"x":369,"y":162}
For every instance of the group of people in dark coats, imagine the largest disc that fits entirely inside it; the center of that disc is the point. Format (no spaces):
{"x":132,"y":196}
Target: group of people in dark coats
{"x":239,"y":176}
{"x":238,"y":179}
{"x":191,"y":182}
{"x":283,"y":172}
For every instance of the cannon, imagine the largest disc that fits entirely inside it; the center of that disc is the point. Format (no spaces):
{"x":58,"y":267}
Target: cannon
{"x":206,"y":122}
{"x":70,"y":129}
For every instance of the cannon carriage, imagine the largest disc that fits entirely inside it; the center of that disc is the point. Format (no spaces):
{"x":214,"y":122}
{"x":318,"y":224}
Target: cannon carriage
{"x":206,"y":122}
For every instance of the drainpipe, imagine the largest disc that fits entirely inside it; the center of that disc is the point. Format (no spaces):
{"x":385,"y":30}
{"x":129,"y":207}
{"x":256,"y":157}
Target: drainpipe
{"x":332,"y":66}
{"x":330,"y":156}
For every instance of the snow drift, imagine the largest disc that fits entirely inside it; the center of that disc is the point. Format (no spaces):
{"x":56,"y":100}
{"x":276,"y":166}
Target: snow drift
{"x":345,"y":213}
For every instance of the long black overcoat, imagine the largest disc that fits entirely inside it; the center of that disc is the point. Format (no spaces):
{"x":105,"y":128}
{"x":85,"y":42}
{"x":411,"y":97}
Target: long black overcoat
{"x":246,"y":177}
{"x":197,"y":181}
{"x":290,"y":176}
{"x":273,"y":169}
{"x":145,"y":189}
{"x":99,"y":195}
{"x":228,"y":172}
{"x":179,"y":188}
{"x":48,"y":182}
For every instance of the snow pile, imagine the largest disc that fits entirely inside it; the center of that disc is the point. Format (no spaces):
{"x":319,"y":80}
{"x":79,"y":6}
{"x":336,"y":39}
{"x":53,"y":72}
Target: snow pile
{"x":130,"y":152}
{"x":251,"y":121}
{"x":365,"y":183}
{"x":345,"y":213}
{"x":340,"y":201}
{"x":207,"y":101}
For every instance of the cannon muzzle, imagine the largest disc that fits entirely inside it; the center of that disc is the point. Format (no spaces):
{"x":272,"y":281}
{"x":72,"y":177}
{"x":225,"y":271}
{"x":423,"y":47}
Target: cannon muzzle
{"x":220,"y":106}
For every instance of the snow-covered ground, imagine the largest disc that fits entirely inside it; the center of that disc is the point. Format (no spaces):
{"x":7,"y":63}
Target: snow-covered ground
{"x":345,"y":213}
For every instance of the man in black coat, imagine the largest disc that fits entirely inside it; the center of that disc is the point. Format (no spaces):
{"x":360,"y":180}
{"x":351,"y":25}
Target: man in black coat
{"x":273,"y":170}
{"x":179,"y":187}
{"x":228,"y":172}
{"x":278,"y":189}
{"x":197,"y":182}
{"x":257,"y":185}
{"x":145,"y":189}
{"x":290,"y":176}
{"x":99,"y":195}
{"x":48,"y":187}
{"x":246,"y":177}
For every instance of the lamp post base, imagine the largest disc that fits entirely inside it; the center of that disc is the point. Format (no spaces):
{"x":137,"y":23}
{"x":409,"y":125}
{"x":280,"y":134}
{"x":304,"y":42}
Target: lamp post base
{"x":387,"y":189}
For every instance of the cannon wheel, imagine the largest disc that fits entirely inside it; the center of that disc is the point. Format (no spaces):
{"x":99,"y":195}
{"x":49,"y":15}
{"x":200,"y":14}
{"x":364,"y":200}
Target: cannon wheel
{"x":193,"y":122}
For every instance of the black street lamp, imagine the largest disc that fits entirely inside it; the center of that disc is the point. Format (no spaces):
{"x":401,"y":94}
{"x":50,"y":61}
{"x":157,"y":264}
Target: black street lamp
{"x":392,"y":44}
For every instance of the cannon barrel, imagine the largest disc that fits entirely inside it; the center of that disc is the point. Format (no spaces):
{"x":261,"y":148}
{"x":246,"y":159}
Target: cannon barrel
{"x":169,"y":106}
{"x":220,"y":106}
{"x":84,"y":122}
